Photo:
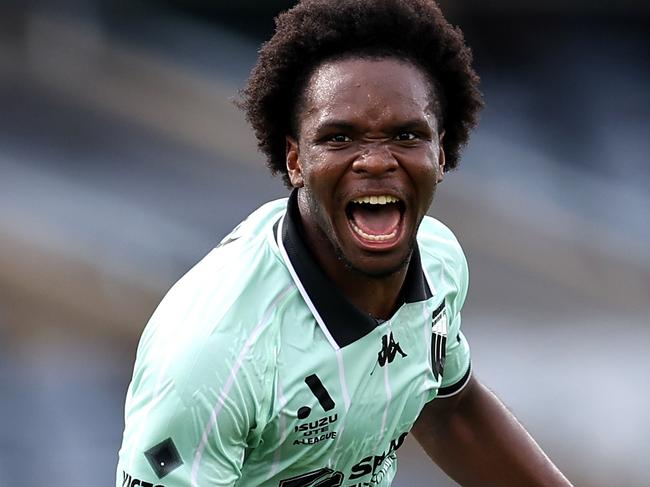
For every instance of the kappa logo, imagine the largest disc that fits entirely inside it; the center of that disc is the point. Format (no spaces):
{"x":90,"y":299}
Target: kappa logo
{"x":389,"y":348}
{"x":439,"y":329}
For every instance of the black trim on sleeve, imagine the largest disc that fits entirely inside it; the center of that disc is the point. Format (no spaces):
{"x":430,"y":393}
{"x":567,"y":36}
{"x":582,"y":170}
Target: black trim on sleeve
{"x":456,"y":388}
{"x":438,"y":310}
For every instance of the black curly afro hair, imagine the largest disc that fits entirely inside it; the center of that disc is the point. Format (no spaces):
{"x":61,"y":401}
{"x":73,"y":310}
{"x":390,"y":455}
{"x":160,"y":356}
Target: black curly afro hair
{"x":315,"y":31}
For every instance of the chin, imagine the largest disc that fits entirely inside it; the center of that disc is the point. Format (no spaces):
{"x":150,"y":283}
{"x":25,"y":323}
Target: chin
{"x":375,"y":266}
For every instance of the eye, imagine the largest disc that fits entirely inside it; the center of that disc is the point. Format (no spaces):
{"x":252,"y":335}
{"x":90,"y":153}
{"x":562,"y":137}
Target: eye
{"x":406,"y":136}
{"x":339,"y":139}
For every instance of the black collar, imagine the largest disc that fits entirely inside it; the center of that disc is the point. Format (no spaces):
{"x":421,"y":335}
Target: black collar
{"x":344,"y":321}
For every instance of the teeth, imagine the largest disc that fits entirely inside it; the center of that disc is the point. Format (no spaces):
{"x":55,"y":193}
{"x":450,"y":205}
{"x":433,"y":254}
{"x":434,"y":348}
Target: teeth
{"x":376,"y":200}
{"x":376,"y":238}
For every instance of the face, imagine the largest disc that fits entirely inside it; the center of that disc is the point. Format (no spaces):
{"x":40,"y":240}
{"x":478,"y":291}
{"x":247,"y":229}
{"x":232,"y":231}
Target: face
{"x":366,"y":161}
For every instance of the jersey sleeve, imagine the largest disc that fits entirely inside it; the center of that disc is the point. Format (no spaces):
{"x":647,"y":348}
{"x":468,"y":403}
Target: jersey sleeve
{"x":446,"y":265}
{"x":457,"y":363}
{"x":458,"y":367}
{"x":193,"y":408}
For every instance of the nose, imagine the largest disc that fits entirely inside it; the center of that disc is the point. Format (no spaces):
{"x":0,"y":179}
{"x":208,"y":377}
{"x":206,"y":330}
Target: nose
{"x":375,"y":159}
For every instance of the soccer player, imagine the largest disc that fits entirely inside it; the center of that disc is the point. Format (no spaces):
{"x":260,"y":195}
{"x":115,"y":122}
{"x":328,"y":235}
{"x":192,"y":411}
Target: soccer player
{"x":326,"y":327}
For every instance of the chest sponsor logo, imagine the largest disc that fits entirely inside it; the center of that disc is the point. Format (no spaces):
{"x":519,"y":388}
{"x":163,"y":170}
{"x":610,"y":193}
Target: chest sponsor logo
{"x":369,"y":471}
{"x":439,"y":330}
{"x":315,"y":431}
{"x":376,"y":466}
{"x":318,"y":430}
{"x":318,"y":389}
{"x":389,"y":349}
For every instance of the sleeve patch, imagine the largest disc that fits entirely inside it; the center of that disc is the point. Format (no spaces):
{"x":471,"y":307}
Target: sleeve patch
{"x":164,"y":458}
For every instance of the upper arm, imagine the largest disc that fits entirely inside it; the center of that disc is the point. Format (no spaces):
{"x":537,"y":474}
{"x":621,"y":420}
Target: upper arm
{"x":177,"y":444}
{"x":191,"y":412}
{"x":436,"y":414}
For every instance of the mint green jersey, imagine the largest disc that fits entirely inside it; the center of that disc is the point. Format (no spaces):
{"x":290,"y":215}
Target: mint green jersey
{"x":255,"y":370}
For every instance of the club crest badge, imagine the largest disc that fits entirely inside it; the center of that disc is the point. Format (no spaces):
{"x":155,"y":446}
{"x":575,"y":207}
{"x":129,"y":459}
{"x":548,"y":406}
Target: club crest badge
{"x":439,"y":330}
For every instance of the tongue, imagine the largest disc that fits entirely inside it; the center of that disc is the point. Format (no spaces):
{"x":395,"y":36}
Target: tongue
{"x":376,"y":219}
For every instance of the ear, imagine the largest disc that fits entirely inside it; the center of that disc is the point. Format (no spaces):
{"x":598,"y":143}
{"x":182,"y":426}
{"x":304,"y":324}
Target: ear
{"x":441,"y":158}
{"x":294,"y":168}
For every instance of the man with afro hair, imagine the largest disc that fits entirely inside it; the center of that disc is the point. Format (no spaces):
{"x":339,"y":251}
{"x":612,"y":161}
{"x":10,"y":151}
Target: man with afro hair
{"x":325,"y":327}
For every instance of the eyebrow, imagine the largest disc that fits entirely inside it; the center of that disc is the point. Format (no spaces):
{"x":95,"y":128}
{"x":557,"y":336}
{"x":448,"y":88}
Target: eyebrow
{"x":335,"y":124}
{"x":415,"y":124}
{"x":345,"y":126}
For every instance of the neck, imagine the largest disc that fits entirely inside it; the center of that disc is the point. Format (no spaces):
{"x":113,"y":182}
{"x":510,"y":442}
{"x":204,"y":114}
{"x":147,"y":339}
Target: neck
{"x":379,"y":296}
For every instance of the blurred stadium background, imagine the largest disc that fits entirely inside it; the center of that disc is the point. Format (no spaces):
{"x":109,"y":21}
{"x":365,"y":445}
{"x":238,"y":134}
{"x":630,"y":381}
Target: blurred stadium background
{"x":123,"y":161}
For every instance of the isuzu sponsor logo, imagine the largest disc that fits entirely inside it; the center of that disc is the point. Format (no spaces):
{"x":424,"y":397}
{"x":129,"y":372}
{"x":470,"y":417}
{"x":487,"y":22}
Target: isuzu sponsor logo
{"x":318,"y":390}
{"x":316,"y":431}
{"x":312,"y":432}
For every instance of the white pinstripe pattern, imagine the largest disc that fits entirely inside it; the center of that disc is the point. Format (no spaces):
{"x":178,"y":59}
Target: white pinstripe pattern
{"x":389,"y":397}
{"x":344,"y":384}
{"x":156,"y":395}
{"x":225,"y":390}
{"x":284,"y":432}
{"x":427,"y":339}
{"x":346,"y":396}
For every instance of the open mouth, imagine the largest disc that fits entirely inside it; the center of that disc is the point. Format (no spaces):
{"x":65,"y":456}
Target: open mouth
{"x":376,"y":219}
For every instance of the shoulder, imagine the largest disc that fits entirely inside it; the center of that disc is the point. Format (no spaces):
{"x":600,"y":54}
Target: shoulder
{"x":220,"y":314}
{"x":438,"y":242}
{"x":443,"y":259}
{"x":245,"y":267}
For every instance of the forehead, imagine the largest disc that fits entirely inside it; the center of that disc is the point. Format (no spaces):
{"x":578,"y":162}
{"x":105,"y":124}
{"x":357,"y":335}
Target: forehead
{"x":368,"y":88}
